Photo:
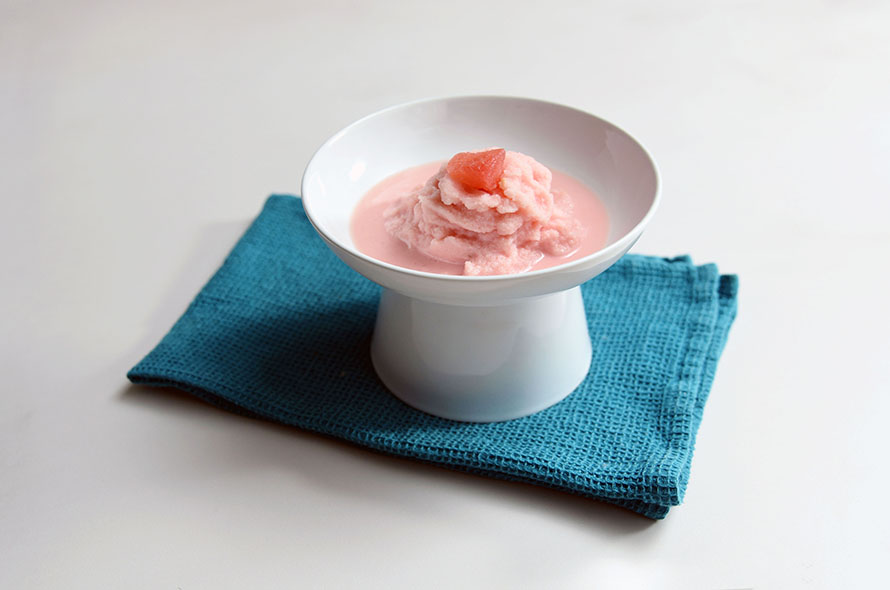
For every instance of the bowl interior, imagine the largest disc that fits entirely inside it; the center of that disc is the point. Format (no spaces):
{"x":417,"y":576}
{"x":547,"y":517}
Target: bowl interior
{"x":597,"y":153}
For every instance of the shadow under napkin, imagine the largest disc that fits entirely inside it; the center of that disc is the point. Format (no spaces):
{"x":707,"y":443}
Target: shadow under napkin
{"x":282,"y":332}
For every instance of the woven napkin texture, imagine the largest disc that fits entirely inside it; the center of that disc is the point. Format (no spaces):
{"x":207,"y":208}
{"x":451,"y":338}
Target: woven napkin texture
{"x":282,"y":332}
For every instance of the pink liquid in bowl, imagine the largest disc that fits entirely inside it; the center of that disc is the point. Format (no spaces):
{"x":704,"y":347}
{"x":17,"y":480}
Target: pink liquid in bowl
{"x":371,"y":238}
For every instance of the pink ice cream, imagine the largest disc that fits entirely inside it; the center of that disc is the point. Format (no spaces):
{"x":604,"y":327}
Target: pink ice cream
{"x":493,"y":218}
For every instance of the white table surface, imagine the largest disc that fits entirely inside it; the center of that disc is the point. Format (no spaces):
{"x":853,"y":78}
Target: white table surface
{"x":137,"y":140}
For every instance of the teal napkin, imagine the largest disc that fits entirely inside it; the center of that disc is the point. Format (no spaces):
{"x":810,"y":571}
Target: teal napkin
{"x":282,"y":332}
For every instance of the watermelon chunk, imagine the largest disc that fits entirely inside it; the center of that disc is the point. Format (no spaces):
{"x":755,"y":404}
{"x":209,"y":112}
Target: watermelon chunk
{"x":478,"y":170}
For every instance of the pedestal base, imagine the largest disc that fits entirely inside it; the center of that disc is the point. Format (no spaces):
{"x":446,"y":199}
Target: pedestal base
{"x":482,"y":363}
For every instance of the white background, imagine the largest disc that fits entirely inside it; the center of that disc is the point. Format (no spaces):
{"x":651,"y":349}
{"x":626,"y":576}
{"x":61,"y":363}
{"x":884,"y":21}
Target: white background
{"x":138,"y":139}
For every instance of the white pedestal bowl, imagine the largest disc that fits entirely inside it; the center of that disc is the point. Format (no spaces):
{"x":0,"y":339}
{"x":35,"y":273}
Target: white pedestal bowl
{"x":490,"y":348}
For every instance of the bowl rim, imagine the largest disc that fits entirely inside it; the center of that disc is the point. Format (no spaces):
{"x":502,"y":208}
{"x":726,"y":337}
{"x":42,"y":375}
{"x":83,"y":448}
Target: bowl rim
{"x":603,"y":253}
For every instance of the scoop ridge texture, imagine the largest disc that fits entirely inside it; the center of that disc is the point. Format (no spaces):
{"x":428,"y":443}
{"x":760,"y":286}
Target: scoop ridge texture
{"x":506,"y":230}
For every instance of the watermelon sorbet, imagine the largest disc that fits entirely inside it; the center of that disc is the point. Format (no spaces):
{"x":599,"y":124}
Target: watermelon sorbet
{"x":492,"y":211}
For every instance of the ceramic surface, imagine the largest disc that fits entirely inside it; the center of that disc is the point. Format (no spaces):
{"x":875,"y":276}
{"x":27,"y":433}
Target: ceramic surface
{"x":494,"y":347}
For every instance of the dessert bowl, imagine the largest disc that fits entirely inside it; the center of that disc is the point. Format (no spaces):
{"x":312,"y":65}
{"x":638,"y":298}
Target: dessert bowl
{"x":481,"y":348}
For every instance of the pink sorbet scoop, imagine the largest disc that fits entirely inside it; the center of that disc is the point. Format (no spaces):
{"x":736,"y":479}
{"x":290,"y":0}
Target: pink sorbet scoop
{"x":492,"y":210}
